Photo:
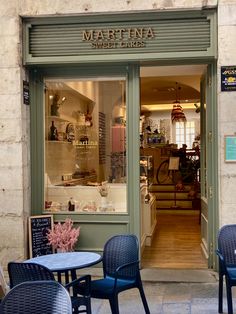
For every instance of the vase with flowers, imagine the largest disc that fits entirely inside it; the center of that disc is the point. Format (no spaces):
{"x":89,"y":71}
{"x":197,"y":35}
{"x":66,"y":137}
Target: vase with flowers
{"x":103,"y":191}
{"x":63,"y":236}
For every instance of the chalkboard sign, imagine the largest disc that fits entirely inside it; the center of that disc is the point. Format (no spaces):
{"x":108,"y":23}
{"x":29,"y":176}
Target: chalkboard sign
{"x":38,"y":229}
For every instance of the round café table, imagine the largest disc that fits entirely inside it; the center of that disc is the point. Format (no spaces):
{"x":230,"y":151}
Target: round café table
{"x":66,"y":263}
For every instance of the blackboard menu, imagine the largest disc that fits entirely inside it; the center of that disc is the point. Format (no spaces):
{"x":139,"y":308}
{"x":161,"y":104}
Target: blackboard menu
{"x":38,"y":229}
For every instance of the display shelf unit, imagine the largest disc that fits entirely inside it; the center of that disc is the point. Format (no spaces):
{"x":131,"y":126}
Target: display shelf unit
{"x":149,"y":217}
{"x":146,"y":169}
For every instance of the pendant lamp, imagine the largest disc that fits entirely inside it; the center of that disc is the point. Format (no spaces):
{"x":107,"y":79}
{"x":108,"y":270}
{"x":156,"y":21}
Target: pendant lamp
{"x":177,"y":113}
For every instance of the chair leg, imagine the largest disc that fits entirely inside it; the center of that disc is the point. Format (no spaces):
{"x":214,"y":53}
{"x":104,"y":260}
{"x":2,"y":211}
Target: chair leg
{"x":88,"y":307}
{"x":114,"y":304}
{"x":144,"y":300}
{"x":220,"y":296}
{"x":229,"y":296}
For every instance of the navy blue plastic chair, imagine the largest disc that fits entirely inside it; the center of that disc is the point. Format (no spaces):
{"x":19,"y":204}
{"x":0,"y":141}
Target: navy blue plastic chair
{"x":37,"y":297}
{"x":121,"y":271}
{"x":21,"y":272}
{"x":227,"y":264}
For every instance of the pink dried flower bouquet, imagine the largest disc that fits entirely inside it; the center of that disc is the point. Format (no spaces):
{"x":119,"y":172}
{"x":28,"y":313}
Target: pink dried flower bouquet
{"x":63,"y":236}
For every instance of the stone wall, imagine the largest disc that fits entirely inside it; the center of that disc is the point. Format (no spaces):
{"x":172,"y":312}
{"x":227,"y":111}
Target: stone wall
{"x":14,"y":138}
{"x":44,"y":7}
{"x":226,"y":110}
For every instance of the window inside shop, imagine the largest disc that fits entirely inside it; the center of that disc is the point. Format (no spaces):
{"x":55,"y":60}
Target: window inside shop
{"x":85,"y":145}
{"x":185,"y":133}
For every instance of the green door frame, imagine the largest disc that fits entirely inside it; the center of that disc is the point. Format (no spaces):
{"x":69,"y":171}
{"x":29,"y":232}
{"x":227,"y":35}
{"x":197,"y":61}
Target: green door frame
{"x":37,"y":76}
{"x":212,"y":162}
{"x":133,"y":112}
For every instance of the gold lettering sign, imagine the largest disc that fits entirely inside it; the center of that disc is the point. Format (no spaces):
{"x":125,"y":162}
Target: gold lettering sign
{"x":118,"y":37}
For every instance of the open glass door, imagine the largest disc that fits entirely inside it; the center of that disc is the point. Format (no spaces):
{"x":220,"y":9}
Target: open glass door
{"x":208,"y":173}
{"x":169,"y":148}
{"x":203,"y":171}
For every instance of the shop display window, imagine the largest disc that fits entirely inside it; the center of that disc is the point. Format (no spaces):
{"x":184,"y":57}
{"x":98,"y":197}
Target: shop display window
{"x":85,"y":145}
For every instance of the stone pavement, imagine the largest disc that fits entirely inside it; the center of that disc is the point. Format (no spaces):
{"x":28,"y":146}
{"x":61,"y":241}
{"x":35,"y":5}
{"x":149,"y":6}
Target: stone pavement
{"x":197,"y":293}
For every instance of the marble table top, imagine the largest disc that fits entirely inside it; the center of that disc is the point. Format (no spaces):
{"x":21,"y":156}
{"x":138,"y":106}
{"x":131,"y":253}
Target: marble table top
{"x":66,"y":261}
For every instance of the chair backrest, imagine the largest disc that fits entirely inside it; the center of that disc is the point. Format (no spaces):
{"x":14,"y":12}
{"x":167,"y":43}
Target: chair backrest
{"x":120,"y":250}
{"x":37,"y":297}
{"x":227,"y":243}
{"x":21,"y":272}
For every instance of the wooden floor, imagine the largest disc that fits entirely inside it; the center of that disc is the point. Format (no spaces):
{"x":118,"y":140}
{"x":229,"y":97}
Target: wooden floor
{"x":176,"y":243}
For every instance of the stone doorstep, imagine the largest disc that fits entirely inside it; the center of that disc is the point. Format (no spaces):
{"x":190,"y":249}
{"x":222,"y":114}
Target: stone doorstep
{"x":166,"y":275}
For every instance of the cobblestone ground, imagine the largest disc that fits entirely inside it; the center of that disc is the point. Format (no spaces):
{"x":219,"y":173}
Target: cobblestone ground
{"x":168,"y":298}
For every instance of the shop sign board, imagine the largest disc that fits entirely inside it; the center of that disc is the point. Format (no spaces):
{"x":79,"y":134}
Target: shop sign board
{"x":228,"y":78}
{"x":125,"y":37}
{"x":109,"y":38}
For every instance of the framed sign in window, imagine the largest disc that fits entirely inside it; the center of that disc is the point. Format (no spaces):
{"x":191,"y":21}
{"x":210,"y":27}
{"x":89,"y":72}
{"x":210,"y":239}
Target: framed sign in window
{"x":38,"y":229}
{"x":230,"y":148}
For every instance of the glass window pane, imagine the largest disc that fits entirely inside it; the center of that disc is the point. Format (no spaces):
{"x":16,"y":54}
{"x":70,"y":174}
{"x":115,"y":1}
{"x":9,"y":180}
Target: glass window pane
{"x":85,"y":145}
{"x":185,"y":133}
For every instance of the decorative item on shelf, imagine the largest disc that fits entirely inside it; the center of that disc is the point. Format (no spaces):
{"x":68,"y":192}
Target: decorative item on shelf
{"x":56,"y":104}
{"x":103,"y":190}
{"x":147,"y":198}
{"x":70,"y":132}
{"x":177,"y":114}
{"x":52,"y":206}
{"x":198,"y":108}
{"x":61,"y":136}
{"x":88,"y":118}
{"x":53,"y":135}
{"x":84,"y":140}
{"x":104,"y":202}
{"x":71,"y":205}
{"x":63,"y":236}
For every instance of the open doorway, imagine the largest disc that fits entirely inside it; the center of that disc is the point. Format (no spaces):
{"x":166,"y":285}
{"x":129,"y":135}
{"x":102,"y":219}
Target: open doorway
{"x":171,"y":126}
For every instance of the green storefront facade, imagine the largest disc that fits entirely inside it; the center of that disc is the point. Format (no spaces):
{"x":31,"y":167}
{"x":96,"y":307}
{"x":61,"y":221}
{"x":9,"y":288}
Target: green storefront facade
{"x":114,"y":46}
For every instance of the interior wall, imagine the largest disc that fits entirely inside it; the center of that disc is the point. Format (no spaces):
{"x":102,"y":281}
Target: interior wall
{"x":161,"y":120}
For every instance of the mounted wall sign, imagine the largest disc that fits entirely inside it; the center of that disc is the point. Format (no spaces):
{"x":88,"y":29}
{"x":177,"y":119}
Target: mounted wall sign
{"x":228,"y":78}
{"x":26,"y":92}
{"x":230,"y":148}
{"x":108,"y":38}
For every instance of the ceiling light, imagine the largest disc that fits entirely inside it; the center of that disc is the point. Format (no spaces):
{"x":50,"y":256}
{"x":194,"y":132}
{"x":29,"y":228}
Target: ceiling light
{"x":177,"y":113}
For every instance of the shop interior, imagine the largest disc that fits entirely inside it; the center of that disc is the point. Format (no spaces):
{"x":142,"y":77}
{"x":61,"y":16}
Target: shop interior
{"x":170,"y":119}
{"x":85,"y":156}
